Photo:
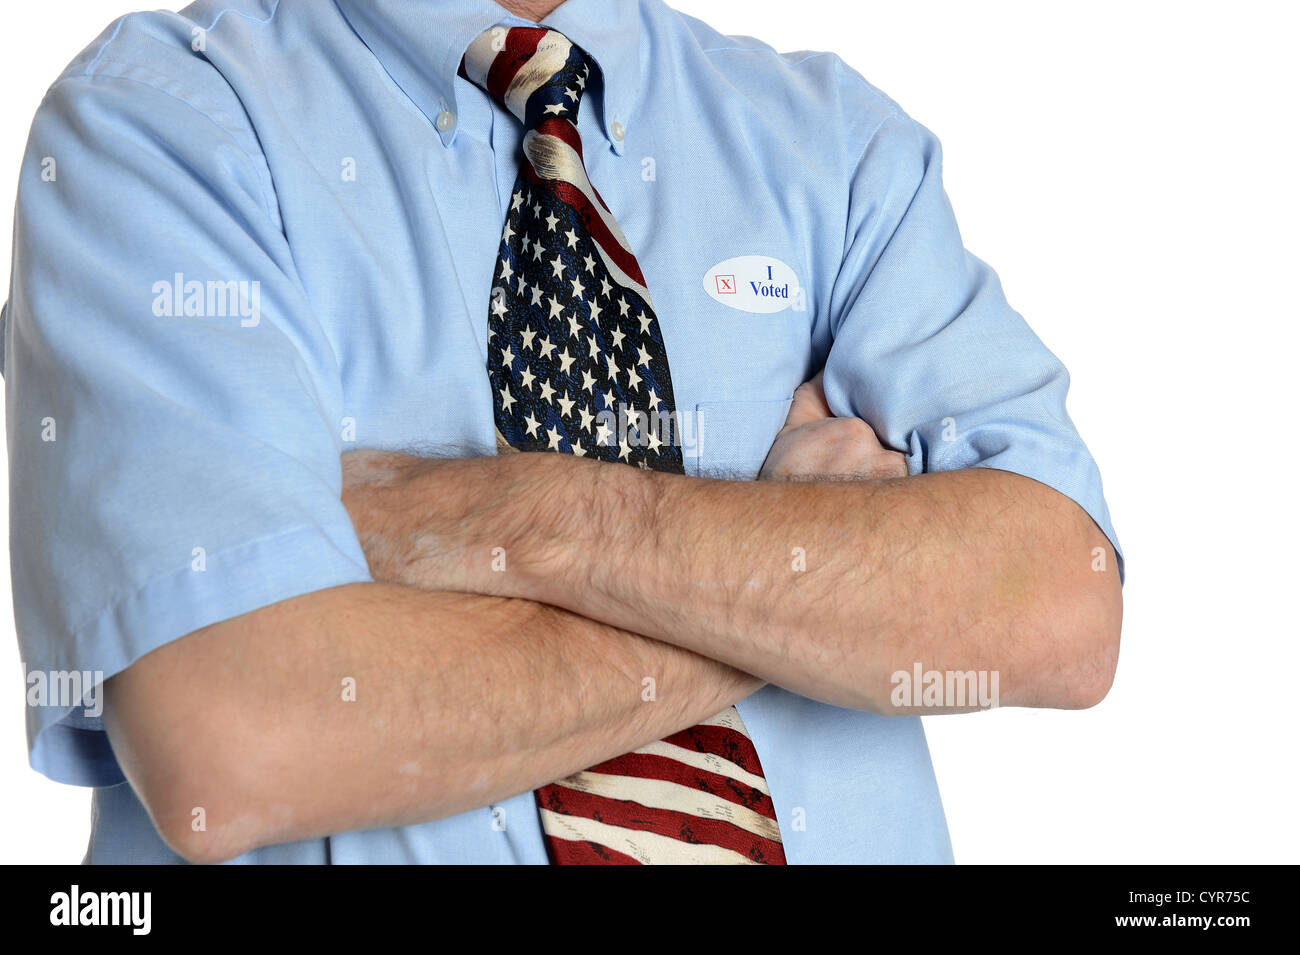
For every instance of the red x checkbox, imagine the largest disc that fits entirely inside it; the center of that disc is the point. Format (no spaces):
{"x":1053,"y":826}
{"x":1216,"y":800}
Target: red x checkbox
{"x":726,"y":284}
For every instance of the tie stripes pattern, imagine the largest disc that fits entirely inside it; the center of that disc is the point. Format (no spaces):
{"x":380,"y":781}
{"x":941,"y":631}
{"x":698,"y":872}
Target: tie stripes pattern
{"x":578,"y":365}
{"x":697,"y":797}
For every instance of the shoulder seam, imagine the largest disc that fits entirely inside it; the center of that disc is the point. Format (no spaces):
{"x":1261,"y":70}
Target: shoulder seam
{"x":90,"y":67}
{"x":97,"y":77}
{"x":275,"y":8}
{"x":895,"y":111}
{"x":106,"y":44}
{"x":766,"y":49}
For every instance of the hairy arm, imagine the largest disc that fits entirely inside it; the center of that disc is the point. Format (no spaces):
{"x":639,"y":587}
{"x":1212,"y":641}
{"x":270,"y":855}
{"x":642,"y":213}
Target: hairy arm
{"x":826,"y":587}
{"x":460,"y":701}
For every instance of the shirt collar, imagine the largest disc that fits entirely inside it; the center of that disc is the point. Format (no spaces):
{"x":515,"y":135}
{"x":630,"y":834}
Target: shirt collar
{"x":420,"y":43}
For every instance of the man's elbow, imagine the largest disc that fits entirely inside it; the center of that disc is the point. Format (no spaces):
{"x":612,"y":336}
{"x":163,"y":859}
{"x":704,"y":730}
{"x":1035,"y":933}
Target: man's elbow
{"x":1084,"y":633}
{"x":199,"y":807}
{"x":194,"y":844}
{"x":200,"y":818}
{"x":1097,"y":656}
{"x":191,"y":767}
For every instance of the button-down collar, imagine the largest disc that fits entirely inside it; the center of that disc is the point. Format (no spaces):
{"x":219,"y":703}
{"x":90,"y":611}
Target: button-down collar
{"x":422,"y":53}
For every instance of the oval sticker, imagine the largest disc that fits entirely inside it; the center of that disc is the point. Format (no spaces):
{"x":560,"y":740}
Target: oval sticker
{"x":753,"y":283}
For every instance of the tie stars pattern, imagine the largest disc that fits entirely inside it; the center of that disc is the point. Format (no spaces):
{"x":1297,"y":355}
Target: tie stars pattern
{"x":573,"y":340}
{"x":546,"y":397}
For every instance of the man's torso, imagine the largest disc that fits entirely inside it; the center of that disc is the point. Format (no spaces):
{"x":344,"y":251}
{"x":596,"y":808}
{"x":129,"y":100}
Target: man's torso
{"x":732,"y":156}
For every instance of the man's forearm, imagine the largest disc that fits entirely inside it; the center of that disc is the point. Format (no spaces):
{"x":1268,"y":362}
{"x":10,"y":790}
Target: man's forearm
{"x":831,"y":588}
{"x":824,"y":588}
{"x":459,"y":701}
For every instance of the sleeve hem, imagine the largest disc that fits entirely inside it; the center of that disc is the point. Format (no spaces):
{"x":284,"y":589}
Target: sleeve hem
{"x":69,"y":746}
{"x":1083,"y":486}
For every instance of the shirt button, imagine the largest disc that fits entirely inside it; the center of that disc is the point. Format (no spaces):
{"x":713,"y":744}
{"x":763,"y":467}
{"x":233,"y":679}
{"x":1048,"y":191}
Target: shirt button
{"x":445,"y":120}
{"x":618,"y":131}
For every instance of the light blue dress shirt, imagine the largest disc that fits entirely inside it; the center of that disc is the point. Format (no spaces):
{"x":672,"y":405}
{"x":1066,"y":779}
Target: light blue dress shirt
{"x":174,"y":450}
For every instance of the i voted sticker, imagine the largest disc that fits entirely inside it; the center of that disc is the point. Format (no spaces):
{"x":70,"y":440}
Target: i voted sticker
{"x":753,"y":283}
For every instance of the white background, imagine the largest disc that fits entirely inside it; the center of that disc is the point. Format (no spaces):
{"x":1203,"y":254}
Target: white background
{"x":1130,"y":169}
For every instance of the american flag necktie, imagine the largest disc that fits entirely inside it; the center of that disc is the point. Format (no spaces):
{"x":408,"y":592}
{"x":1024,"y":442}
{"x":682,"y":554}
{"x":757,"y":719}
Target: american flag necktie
{"x":577,"y":365}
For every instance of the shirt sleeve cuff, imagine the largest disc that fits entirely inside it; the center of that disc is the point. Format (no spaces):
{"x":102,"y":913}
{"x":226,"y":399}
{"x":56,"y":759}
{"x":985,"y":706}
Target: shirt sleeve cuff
{"x":68,"y":743}
{"x":1068,"y":471}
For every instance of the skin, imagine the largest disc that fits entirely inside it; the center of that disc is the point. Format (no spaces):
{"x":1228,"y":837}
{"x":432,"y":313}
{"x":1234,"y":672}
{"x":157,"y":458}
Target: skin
{"x":472,"y":685}
{"x":964,"y":570}
{"x":535,"y":10}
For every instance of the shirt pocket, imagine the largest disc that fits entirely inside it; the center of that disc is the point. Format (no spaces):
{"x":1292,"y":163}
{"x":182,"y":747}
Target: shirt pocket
{"x":732,"y":438}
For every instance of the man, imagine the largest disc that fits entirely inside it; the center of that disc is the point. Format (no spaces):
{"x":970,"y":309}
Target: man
{"x":293,"y":282}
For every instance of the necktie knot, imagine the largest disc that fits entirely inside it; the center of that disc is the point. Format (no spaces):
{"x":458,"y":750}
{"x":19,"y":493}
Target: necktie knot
{"x":533,"y":72}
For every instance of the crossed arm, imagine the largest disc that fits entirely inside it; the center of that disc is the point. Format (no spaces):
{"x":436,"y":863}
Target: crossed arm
{"x":478,"y":680}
